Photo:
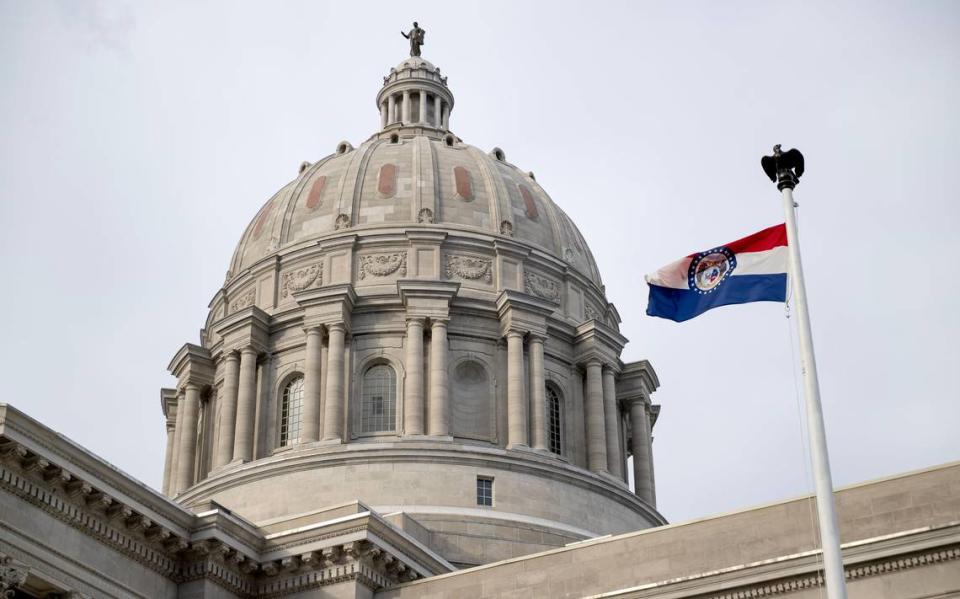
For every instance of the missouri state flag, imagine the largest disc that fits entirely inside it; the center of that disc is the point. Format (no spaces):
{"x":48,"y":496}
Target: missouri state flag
{"x":752,"y":269}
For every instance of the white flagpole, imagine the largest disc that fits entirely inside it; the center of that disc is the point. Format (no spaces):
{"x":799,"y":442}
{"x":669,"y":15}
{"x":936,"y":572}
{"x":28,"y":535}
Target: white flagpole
{"x":829,"y":531}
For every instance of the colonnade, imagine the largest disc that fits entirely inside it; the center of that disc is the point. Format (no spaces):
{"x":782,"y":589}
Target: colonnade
{"x":398,"y":107}
{"x":426,"y":405}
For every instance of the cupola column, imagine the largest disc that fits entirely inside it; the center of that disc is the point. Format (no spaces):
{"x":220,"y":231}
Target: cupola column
{"x":437,"y":111}
{"x":614,"y":461}
{"x":642,"y":458}
{"x":190,"y":408}
{"x":168,"y":471}
{"x":405,"y":107}
{"x":596,"y":426}
{"x":446,"y":116}
{"x":538,"y":391}
{"x":334,"y":404}
{"x":439,"y":383}
{"x":174,"y":482}
{"x":423,"y":107}
{"x":391,"y":109}
{"x":516,"y":406}
{"x":310,"y":427}
{"x":413,"y":383}
{"x":228,"y":411}
{"x":383,"y":115}
{"x":246,"y":405}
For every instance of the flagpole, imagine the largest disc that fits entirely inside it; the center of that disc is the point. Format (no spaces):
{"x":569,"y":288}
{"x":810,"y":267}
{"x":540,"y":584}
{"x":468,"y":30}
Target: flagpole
{"x":829,"y":531}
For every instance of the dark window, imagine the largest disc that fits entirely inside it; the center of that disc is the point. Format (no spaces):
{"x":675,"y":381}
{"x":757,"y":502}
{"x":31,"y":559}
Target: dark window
{"x":290,"y":411}
{"x":484,"y":491}
{"x":553,"y":420}
{"x":378,"y":400}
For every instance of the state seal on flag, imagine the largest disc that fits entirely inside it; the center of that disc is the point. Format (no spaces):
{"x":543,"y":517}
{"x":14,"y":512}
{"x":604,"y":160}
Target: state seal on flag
{"x":710,"y":268}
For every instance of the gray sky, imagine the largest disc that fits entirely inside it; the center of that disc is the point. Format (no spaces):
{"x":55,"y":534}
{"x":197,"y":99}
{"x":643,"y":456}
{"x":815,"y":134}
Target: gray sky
{"x":140,"y":139}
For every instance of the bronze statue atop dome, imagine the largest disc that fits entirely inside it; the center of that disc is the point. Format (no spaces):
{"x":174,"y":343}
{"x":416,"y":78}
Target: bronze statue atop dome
{"x":416,"y":38}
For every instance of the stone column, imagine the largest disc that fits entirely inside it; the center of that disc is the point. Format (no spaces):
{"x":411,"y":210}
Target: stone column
{"x":190,"y":407}
{"x":642,"y":462}
{"x":439,"y":383}
{"x":423,"y":107}
{"x":614,"y":465}
{"x":446,"y":116}
{"x":175,"y":462}
{"x":596,"y":437}
{"x":516,"y":407}
{"x":391,"y":109}
{"x":228,"y":411}
{"x":333,"y":408}
{"x":405,"y":107}
{"x":168,"y":457}
{"x":437,"y":111}
{"x":246,"y":405}
{"x":383,"y":115}
{"x":538,"y":394}
{"x":413,"y":384}
{"x":310,"y":417}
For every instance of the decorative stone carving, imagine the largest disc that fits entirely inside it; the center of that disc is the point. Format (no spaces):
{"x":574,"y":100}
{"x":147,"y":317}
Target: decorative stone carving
{"x":11,"y":575}
{"x":383,"y":265}
{"x":342,"y":222}
{"x":506,"y":228}
{"x":301,"y":278}
{"x":541,"y":286}
{"x":591,"y":312}
{"x":469,"y":267}
{"x":425,"y":216}
{"x":244,"y":301}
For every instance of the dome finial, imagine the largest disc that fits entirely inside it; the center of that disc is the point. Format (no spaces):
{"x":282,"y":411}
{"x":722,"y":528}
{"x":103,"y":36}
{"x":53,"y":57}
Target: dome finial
{"x":416,"y":38}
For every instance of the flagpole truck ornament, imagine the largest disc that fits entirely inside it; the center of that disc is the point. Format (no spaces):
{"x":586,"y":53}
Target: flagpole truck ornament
{"x":783,"y":168}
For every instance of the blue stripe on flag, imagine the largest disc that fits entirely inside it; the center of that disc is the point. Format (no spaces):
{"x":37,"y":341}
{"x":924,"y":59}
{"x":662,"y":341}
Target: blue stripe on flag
{"x":683,"y":304}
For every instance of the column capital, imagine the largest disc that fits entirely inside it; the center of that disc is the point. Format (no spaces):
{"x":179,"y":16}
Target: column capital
{"x":313,"y":328}
{"x":439,"y":322}
{"x":191,"y":387}
{"x":515,"y":333}
{"x":327,"y":305}
{"x":336,"y":326}
{"x":593,"y":361}
{"x":419,"y":320}
{"x":192,"y":364}
{"x":428,"y":299}
{"x":249,"y":349}
{"x":536,"y":337}
{"x":518,"y":310}
{"x":250,"y":326}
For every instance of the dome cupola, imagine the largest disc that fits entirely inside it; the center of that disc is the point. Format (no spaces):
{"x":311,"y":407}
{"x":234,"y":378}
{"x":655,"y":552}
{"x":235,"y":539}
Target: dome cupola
{"x":414,"y":99}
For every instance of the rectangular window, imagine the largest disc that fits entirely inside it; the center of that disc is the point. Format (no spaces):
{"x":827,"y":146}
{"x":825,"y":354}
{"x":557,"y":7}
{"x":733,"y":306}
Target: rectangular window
{"x":484,"y":491}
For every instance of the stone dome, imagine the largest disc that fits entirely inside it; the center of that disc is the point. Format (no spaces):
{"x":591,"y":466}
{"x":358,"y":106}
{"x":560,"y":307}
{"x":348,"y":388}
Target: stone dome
{"x":415,"y":325}
{"x":414,"y":179}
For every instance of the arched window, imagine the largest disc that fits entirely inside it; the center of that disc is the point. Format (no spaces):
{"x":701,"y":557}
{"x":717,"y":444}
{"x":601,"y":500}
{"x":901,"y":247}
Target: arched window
{"x":378,"y":400}
{"x":553,"y":421}
{"x":290,"y":411}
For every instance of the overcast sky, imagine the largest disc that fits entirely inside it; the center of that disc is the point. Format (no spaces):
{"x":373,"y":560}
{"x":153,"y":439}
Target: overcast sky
{"x":138,"y":140}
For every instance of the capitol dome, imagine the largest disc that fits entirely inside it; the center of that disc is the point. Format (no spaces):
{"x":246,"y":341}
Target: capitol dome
{"x":414,"y":324}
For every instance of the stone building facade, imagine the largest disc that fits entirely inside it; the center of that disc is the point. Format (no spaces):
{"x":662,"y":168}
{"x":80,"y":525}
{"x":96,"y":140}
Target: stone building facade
{"x":410,"y":385}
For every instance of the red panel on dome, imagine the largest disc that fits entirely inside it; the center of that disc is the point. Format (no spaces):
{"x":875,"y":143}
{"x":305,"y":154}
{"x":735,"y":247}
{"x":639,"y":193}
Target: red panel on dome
{"x":387,"y":181}
{"x":262,"y":219}
{"x":313,"y":199}
{"x":464,"y":185}
{"x":529,"y":203}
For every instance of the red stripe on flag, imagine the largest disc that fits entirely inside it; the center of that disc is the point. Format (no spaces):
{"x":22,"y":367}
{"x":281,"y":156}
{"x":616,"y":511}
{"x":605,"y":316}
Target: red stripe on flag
{"x":767,"y":239}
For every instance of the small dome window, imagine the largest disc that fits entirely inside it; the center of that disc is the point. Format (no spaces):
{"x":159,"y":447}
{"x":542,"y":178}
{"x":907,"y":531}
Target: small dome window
{"x":498,"y":154}
{"x":449,"y":140}
{"x":394,"y":138}
{"x":343,"y":147}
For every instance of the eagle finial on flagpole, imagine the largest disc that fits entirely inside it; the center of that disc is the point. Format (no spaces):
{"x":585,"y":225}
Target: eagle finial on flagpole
{"x":783,"y":168}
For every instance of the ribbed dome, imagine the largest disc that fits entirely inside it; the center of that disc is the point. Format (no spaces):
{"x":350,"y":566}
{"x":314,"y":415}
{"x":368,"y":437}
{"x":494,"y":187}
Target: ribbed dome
{"x":419,"y":180}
